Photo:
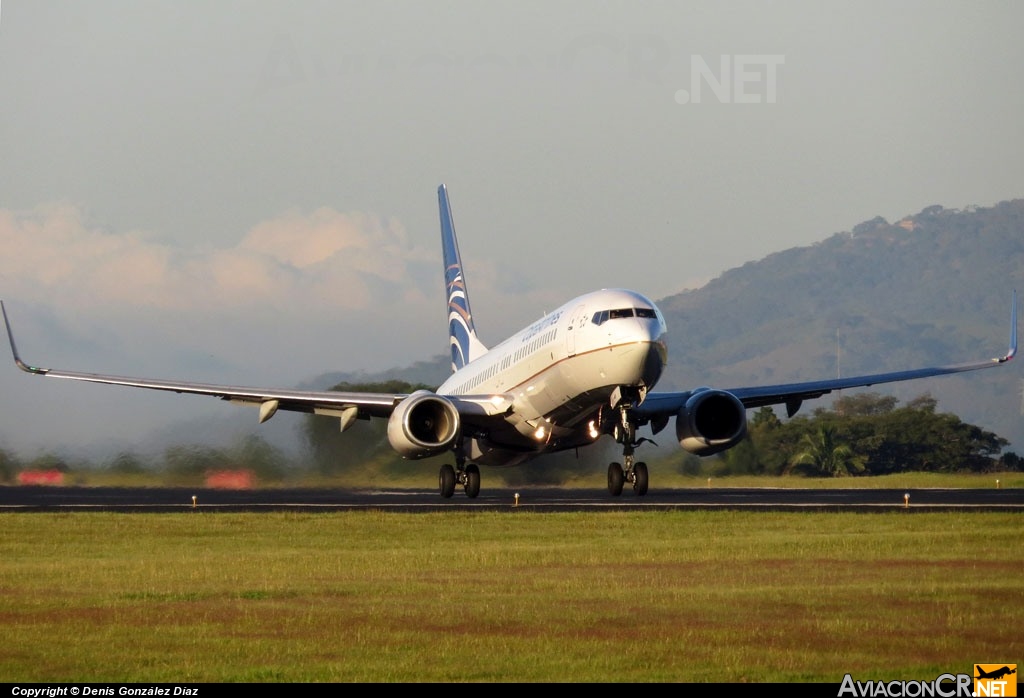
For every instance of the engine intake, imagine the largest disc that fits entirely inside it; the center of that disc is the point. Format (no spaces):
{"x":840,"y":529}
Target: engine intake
{"x":711,"y":421}
{"x":423,"y":425}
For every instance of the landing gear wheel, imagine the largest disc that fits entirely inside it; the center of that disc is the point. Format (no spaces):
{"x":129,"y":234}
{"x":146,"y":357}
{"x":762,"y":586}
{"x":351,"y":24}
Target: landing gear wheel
{"x":446,"y":481}
{"x":616,"y":478}
{"x":472,"y":485}
{"x":640,"y":479}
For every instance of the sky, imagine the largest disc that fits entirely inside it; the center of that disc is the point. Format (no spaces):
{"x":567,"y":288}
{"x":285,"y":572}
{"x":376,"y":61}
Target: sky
{"x":245,"y":192}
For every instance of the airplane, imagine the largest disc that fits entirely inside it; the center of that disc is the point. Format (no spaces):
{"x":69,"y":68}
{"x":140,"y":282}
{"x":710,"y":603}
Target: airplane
{"x":585,"y":370}
{"x":995,"y":673}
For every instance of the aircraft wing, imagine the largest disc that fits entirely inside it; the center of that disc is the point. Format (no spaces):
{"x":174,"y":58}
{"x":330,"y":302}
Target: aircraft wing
{"x":793,"y":394}
{"x":345,"y":405}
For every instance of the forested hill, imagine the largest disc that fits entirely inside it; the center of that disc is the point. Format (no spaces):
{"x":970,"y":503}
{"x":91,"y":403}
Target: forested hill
{"x":931,"y":288}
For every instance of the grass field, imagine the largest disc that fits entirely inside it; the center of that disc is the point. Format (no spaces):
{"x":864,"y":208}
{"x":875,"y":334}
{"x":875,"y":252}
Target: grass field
{"x":509,"y":596}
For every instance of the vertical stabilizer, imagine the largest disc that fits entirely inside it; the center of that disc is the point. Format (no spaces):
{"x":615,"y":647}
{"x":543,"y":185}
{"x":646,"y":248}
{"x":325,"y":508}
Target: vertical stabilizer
{"x":465,"y":346}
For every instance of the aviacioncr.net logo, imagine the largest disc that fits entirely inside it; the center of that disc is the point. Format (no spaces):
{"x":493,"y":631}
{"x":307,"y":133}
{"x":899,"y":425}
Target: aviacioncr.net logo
{"x":995,"y":680}
{"x":988,"y":681}
{"x":945,"y":686}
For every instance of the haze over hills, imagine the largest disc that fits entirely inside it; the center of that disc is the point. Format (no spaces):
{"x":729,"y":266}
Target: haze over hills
{"x":931,"y":288}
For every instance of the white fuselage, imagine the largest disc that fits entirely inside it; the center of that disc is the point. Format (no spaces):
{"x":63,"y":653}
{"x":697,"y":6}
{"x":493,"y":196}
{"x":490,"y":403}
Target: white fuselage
{"x":562,"y":369}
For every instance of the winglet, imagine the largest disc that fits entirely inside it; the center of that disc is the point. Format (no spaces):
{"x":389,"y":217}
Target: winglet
{"x":465,"y":345}
{"x":14,"y":349}
{"x":1013,"y":330}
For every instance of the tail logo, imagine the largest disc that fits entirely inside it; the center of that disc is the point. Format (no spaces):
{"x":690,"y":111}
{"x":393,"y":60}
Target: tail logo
{"x":459,"y":318}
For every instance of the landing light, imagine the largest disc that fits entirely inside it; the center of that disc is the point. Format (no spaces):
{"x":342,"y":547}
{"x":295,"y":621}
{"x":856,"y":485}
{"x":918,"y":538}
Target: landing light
{"x":592,"y":429}
{"x":540,"y":433}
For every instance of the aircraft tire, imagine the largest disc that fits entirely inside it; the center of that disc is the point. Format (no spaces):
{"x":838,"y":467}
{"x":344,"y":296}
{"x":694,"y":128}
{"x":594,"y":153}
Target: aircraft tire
{"x":616,"y":479}
{"x":446,"y":481}
{"x":640,"y":479}
{"x":472,"y":481}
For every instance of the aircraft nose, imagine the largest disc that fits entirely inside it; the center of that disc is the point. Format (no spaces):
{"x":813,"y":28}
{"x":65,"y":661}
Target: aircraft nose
{"x":654,"y":362}
{"x":656,"y":355}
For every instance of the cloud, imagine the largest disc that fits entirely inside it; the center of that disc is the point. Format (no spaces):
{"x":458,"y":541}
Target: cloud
{"x":306,"y":240}
{"x":297,"y":295}
{"x":342,"y":260}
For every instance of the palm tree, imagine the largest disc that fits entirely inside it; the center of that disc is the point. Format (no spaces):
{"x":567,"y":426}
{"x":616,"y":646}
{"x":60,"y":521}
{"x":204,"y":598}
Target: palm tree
{"x":823,"y":455}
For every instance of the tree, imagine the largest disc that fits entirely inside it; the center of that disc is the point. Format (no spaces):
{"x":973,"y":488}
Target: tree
{"x":366,"y":440}
{"x":253,"y":453}
{"x":913,"y":437}
{"x":1010,"y":461}
{"x":126,"y":463}
{"x":861,"y":405}
{"x":741,"y":459}
{"x":775,"y":441}
{"x":188,"y":464}
{"x":823,"y":454}
{"x":8,"y":466}
{"x":765,"y":418}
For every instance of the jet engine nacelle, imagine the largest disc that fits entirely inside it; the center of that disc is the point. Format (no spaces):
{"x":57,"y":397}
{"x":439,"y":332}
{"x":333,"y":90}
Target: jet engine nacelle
{"x":423,"y":425}
{"x":711,"y":421}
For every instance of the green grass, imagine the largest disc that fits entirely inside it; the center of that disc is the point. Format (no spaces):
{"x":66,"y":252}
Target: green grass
{"x":507,"y":596}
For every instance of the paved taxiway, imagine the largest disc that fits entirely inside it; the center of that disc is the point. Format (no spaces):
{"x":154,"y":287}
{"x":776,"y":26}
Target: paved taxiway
{"x":141,"y":500}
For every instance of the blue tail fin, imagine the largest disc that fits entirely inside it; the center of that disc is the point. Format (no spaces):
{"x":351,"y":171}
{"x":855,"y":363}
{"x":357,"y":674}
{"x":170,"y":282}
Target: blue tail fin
{"x":461,"y":333}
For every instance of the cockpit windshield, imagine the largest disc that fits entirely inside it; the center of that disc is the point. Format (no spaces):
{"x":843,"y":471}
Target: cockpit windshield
{"x":603,"y":316}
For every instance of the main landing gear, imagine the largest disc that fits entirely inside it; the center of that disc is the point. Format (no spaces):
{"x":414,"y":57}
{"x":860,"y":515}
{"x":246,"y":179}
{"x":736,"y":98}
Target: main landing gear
{"x":468,"y":476}
{"x":635,"y":473}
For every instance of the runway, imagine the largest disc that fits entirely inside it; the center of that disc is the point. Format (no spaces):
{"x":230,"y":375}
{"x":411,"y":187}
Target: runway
{"x":182,"y":499}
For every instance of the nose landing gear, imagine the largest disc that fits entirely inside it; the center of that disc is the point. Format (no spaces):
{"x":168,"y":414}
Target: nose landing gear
{"x":628,"y":470}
